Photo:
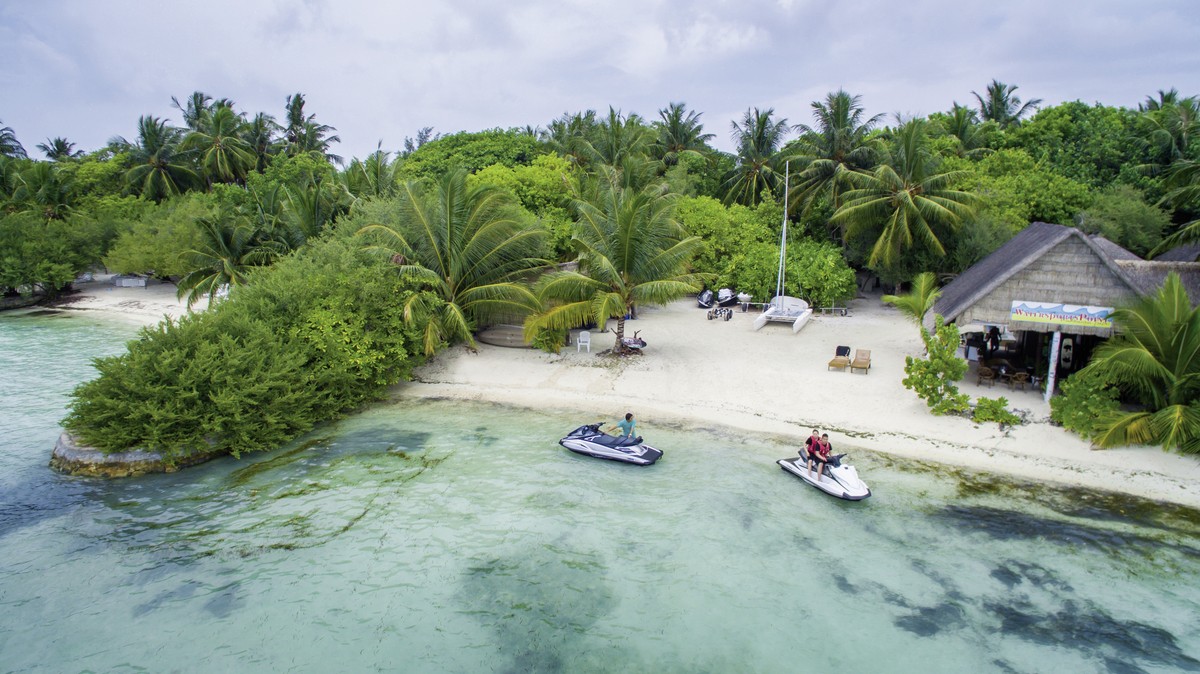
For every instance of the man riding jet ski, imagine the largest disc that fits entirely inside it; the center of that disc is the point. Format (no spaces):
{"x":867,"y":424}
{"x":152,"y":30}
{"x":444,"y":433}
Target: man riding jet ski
{"x":832,"y":476}
{"x":592,"y":441}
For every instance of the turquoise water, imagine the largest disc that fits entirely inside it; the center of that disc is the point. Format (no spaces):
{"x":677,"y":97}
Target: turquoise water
{"x":447,"y":537}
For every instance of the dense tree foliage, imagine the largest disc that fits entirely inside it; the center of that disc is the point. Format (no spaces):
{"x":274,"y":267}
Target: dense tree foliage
{"x":228,"y":194}
{"x":310,"y":339}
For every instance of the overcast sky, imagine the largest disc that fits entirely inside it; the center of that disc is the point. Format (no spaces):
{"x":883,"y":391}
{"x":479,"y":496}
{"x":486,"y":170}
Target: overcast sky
{"x":379,"y":71}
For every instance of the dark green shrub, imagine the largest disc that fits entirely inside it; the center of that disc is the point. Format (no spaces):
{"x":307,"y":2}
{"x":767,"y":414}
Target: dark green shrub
{"x":1086,"y":399}
{"x":932,"y":378}
{"x":987,"y":409}
{"x":305,"y":341}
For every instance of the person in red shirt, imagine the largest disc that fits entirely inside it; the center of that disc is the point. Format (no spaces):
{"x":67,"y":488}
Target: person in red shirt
{"x":818,"y":453}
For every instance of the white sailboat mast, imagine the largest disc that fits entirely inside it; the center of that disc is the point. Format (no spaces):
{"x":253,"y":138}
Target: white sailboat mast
{"x":783,"y":230}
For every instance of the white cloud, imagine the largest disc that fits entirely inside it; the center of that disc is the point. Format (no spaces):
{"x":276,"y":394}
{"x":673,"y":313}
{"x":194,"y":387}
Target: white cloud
{"x":383,"y":70}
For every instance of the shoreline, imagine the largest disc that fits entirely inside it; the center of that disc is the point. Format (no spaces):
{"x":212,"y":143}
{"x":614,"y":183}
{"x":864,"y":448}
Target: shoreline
{"x":771,"y":382}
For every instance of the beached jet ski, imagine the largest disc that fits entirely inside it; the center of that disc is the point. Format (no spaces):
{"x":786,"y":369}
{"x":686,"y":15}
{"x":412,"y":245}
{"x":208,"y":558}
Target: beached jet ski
{"x":724,"y":298}
{"x":840,"y":479}
{"x":592,"y":441}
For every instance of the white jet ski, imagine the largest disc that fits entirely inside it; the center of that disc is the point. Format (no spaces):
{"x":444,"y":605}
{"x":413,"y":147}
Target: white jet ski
{"x":592,"y":441}
{"x":839,"y":479}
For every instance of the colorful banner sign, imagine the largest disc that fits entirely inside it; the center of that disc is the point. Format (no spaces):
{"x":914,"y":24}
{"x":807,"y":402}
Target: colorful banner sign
{"x":1064,"y":314}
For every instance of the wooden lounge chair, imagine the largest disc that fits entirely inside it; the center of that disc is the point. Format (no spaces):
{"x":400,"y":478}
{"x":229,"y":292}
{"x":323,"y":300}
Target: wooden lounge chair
{"x":862,"y":361}
{"x":1018,"y":379}
{"x":986,"y":376}
{"x":841,"y":358}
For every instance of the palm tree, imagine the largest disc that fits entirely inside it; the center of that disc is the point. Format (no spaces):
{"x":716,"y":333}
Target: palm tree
{"x":302,"y":133}
{"x":1165,"y":99}
{"x":919,"y":300}
{"x":57,"y":149}
{"x":962,"y":123}
{"x":9,"y":145}
{"x":1001,"y":105}
{"x":471,"y":245}
{"x":680,"y":133}
{"x":227,"y":252}
{"x":758,"y":139}
{"x":223,"y":154}
{"x":1182,"y":180}
{"x":906,"y":199}
{"x":260,"y":135}
{"x":1173,"y":127}
{"x":620,"y":138}
{"x":45,"y":190}
{"x":374,"y":177}
{"x":570,"y":136}
{"x":632,"y":251}
{"x":157,"y":172}
{"x":1155,"y":357}
{"x":193,"y":109}
{"x":839,"y":143}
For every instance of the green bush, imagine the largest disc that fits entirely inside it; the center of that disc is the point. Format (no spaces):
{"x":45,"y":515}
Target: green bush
{"x":305,"y":341}
{"x":932,"y":378}
{"x":815,"y":271}
{"x":987,"y":409}
{"x":1086,"y":399}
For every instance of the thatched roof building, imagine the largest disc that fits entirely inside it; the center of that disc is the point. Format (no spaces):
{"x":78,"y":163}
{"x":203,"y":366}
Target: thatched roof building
{"x":1043,"y":263}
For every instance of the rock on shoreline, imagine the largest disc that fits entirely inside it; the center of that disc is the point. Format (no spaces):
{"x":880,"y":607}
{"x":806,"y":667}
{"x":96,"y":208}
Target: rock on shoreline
{"x":74,"y":459}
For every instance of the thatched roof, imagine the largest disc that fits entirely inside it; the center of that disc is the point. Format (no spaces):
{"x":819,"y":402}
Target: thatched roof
{"x":1019,"y":253}
{"x":1186,"y":253}
{"x":1149,"y":275}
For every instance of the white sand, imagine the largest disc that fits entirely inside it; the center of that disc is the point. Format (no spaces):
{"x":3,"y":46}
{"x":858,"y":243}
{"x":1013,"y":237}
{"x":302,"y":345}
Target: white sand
{"x":722,"y":373}
{"x":142,"y":306}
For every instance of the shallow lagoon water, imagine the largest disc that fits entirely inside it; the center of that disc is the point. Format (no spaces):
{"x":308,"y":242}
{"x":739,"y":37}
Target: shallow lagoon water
{"x":442,"y":536}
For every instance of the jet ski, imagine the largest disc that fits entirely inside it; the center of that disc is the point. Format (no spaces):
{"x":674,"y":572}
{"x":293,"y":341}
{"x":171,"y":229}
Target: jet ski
{"x":725,"y":297}
{"x":592,"y":441}
{"x":839,"y":479}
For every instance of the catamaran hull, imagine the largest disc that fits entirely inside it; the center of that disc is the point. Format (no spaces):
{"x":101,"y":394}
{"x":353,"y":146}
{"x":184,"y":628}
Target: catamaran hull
{"x":840,"y":481}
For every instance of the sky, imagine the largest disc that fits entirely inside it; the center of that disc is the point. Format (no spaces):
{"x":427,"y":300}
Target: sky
{"x":380,"y":71}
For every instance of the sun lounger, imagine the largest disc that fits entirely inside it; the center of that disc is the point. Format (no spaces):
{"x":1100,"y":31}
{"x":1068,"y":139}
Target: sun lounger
{"x":862,"y":361}
{"x":841,"y":358}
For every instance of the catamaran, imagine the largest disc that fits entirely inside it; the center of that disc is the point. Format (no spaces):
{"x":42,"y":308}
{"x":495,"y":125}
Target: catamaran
{"x":782,"y":308}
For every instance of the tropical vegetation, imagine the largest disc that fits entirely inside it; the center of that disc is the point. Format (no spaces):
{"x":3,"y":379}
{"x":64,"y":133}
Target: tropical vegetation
{"x":209,"y":195}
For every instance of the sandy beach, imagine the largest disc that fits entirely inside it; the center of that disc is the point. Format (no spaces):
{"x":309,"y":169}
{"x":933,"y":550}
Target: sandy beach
{"x":702,"y":373}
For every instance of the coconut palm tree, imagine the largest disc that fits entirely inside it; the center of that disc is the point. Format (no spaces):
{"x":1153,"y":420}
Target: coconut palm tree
{"x":962,"y":124}
{"x":758,"y":139}
{"x":839,"y":143}
{"x":302,"y":133}
{"x":632,"y":251}
{"x":1155,"y":357}
{"x":472,"y":245}
{"x":905,"y":200}
{"x":374,"y":177}
{"x":1182,"y":180}
{"x":1173,"y":127}
{"x":260,"y":134}
{"x":193,"y":108}
{"x":43,"y":189}
{"x":9,"y":145}
{"x":228,"y":251}
{"x":157,"y":172}
{"x":221,"y":152}
{"x":1001,"y":105}
{"x":57,"y":149}
{"x":680,"y":133}
{"x":919,"y":300}
{"x":1165,"y":99}
{"x":571,"y":137}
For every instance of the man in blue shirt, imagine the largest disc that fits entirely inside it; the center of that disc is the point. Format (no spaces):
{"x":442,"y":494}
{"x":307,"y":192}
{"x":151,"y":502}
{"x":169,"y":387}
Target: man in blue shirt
{"x":627,"y":425}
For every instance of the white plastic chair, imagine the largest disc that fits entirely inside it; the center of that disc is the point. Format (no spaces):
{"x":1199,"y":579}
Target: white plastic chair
{"x":584,"y":339}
